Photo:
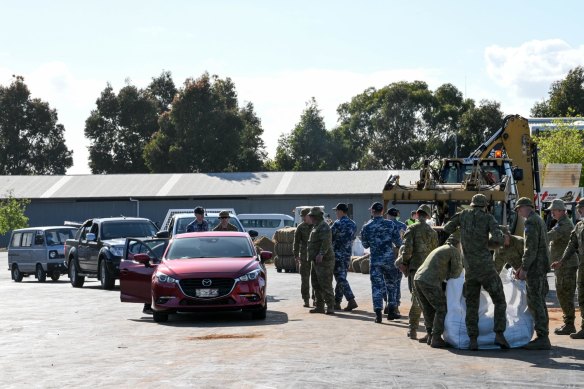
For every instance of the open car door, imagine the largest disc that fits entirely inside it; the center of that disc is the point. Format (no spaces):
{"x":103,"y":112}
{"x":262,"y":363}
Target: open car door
{"x":136,"y":276}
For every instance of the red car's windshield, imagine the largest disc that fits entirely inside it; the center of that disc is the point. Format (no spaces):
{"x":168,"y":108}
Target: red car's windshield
{"x":210,"y":247}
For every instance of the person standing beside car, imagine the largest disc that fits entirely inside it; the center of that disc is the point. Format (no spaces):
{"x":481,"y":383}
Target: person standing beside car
{"x":224,"y":224}
{"x":301,"y":236}
{"x":199,"y":224}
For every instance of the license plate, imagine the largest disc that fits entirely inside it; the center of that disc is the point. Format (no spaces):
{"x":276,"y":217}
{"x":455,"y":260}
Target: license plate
{"x":207,"y":292}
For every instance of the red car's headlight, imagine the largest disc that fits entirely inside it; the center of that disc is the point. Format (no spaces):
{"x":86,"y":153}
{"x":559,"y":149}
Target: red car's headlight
{"x":252,"y":275}
{"x":165,"y":278}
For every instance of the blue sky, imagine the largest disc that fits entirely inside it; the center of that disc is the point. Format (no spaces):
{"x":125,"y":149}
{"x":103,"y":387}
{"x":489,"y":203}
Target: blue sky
{"x":281,"y":53}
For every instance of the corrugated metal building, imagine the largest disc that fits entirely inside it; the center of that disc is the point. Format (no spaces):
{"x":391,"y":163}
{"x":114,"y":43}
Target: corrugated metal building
{"x":55,"y":199}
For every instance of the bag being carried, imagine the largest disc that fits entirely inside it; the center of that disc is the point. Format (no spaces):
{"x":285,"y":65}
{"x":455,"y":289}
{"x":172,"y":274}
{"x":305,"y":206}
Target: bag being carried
{"x":519,"y":320}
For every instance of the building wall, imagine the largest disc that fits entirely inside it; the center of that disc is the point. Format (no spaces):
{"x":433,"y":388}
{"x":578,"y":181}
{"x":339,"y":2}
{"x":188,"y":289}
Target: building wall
{"x":55,"y":212}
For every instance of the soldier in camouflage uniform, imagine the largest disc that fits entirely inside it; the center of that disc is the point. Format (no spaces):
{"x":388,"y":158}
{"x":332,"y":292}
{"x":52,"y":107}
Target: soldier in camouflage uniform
{"x":559,"y":236}
{"x":441,"y":264}
{"x":378,"y":235}
{"x":535,"y":266}
{"x":300,"y":252}
{"x":576,"y":246}
{"x":475,"y":225}
{"x":320,"y":253}
{"x":419,"y":240}
{"x":510,"y":253}
{"x":343,"y":231}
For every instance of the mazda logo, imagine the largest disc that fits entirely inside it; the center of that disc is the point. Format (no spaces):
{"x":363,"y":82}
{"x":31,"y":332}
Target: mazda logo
{"x":207,"y":282}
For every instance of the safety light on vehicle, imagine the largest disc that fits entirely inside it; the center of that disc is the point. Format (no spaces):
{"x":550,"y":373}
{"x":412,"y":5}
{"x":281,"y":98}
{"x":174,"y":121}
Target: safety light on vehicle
{"x":117,"y":251}
{"x":498,"y":153}
{"x":165,"y":278}
{"x":53,"y":254}
{"x":252,"y":275}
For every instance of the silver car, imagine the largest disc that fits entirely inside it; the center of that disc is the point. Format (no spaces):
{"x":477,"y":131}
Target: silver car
{"x":39,"y":251}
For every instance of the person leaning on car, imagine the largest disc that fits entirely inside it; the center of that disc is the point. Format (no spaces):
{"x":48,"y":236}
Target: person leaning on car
{"x":199,"y":224}
{"x":224,"y":224}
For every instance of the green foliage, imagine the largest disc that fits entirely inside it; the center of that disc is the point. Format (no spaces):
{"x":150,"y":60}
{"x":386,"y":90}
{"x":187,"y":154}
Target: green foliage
{"x":309,"y":146}
{"x":31,"y":141}
{"x":119,"y":128}
{"x":12,"y":213}
{"x":205,"y":130}
{"x":566,"y":97}
{"x":565,"y":144}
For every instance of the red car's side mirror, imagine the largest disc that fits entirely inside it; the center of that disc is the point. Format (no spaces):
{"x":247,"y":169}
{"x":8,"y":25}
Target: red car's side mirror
{"x":265,"y":255}
{"x":142,"y":258}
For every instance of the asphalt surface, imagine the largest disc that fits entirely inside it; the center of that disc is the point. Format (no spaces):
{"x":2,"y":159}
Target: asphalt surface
{"x":55,"y":336}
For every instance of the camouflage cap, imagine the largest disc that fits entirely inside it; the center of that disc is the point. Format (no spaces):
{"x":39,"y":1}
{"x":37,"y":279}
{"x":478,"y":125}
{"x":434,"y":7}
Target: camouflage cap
{"x":224,"y":214}
{"x":315,"y":211}
{"x":580,"y":204}
{"x":557,"y":204}
{"x":479,"y":200}
{"x":425,"y":208}
{"x":304,"y":212}
{"x":524,"y":201}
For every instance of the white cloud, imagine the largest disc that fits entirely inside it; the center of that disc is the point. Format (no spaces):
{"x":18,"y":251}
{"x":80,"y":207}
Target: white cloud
{"x":280,"y":98}
{"x":529,"y":69}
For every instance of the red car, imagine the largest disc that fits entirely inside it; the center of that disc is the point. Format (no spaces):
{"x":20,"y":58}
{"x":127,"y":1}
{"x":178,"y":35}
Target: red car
{"x":200,"y":271}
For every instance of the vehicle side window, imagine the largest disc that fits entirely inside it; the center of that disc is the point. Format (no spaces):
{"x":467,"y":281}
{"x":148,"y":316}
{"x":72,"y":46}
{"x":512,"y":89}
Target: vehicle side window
{"x":27,"y":239}
{"x":39,"y":239}
{"x":84,"y":231}
{"x":95,"y":230}
{"x":16,"y":237}
{"x":288,"y":223}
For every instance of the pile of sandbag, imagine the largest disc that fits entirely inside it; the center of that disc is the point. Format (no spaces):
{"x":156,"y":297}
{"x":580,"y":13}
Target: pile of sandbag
{"x":266,"y":244}
{"x":284,"y":249}
{"x":360,"y":264}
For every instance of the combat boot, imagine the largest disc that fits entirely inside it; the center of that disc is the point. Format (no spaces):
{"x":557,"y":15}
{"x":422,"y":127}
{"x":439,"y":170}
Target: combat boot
{"x":378,"y":316}
{"x":386,"y":310}
{"x":330,"y":311}
{"x":306,"y":303}
{"x":391,"y":315}
{"x":337,"y":306}
{"x":438,"y":342}
{"x":412,"y":334}
{"x":352,"y":304}
{"x":501,"y":341}
{"x":474,"y":344}
{"x":397,"y":313}
{"x":578,"y":335}
{"x":426,"y":338}
{"x":539,"y":343}
{"x":566,"y":329}
{"x":317,"y":310}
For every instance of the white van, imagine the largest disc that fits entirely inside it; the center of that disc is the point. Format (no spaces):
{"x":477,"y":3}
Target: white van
{"x":265,"y":223}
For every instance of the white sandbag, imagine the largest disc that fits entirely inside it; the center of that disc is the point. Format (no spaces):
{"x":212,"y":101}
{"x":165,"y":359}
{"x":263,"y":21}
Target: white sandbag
{"x":519,"y":329}
{"x":358,"y":249}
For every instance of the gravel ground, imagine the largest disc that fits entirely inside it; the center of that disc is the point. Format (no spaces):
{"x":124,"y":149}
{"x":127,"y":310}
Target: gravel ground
{"x":54,"y":336}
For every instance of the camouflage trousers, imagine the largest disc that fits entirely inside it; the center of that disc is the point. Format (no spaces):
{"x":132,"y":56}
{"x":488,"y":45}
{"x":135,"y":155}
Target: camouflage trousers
{"x":322,"y":283}
{"x":472,"y":293}
{"x":581,"y":290}
{"x":384,"y":279}
{"x":305,"y":269}
{"x":433,"y":301}
{"x":416,"y":308}
{"x":537,"y":289}
{"x":342,"y":287}
{"x":565,"y":290}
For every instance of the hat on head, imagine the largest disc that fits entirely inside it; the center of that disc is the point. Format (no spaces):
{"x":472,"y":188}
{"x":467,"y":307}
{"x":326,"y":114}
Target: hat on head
{"x":341,"y":207}
{"x":304,"y":212}
{"x":393,"y":212}
{"x":557,"y":204}
{"x":479,"y":200}
{"x":580,"y":204}
{"x":224,"y":214}
{"x":315,"y":211}
{"x":524,"y":201}
{"x":199,"y":210}
{"x":425,"y":208}
{"x":377,"y":207}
